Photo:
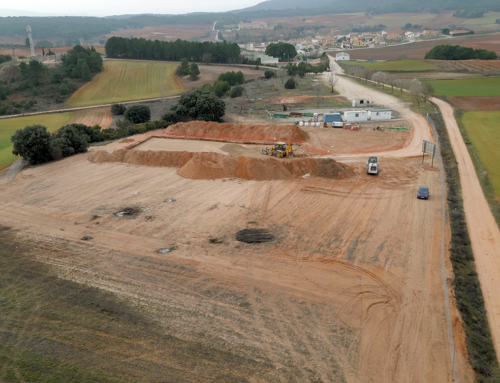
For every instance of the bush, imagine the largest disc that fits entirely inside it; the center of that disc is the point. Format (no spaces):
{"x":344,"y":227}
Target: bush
{"x":138,"y":114}
{"x":220,"y":88}
{"x":34,"y":144}
{"x":118,"y":109}
{"x":70,"y":141}
{"x":236,"y":91}
{"x":63,"y":89}
{"x":184,"y":67}
{"x":196,"y":105}
{"x":290,"y":83}
{"x":170,"y":117}
{"x":194,"y":71}
{"x":232,"y":78}
{"x":269,"y":74}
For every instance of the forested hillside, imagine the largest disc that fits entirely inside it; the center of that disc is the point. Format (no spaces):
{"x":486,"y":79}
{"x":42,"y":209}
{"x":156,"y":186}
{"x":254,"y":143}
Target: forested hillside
{"x":87,"y":27}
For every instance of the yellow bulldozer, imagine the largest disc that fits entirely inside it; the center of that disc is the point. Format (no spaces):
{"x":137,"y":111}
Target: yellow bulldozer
{"x":281,"y":149}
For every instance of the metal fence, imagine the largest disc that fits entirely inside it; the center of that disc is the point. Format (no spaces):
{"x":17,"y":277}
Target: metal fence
{"x":14,"y":169}
{"x":454,"y":364}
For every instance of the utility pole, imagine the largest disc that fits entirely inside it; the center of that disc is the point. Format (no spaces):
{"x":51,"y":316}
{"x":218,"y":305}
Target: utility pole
{"x":32,"y":48}
{"x":14,"y":54}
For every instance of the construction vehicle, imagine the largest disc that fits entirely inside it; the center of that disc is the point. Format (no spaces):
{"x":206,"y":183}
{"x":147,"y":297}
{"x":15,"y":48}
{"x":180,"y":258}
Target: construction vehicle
{"x":372,"y":166}
{"x":281,"y":149}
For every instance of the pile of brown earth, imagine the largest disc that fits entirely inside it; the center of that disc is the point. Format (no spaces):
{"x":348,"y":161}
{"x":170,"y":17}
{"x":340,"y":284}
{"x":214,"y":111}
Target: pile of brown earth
{"x":239,"y":131}
{"x":209,"y":166}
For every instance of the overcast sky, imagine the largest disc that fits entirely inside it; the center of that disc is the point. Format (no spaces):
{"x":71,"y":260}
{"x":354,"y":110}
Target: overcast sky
{"x":116,"y":7}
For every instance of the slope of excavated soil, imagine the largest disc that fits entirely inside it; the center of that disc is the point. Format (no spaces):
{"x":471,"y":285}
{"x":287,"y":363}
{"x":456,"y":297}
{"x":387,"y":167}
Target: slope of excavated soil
{"x":239,"y":131}
{"x":210,"y":165}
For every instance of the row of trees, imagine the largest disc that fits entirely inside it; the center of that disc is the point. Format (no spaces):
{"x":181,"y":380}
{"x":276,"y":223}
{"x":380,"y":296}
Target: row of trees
{"x":420,"y":92}
{"x":120,"y":47}
{"x":457,"y":52}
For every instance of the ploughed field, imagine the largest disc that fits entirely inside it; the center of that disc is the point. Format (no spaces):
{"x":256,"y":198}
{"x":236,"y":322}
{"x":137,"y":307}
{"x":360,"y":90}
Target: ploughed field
{"x":346,"y":285}
{"x":396,"y":65}
{"x":129,"y":80}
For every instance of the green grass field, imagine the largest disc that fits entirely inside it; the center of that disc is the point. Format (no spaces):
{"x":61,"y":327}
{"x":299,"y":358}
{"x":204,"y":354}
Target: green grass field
{"x":128,"y":81}
{"x":483,"y":130}
{"x":396,"y":65}
{"x":9,"y":126}
{"x":467,"y":87}
{"x":488,"y":18}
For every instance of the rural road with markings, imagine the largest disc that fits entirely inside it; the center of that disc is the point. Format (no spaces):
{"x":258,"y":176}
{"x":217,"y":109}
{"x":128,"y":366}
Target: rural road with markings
{"x":483,"y":229}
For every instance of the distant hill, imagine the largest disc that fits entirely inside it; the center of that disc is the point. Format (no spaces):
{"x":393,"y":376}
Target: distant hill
{"x":286,"y":4}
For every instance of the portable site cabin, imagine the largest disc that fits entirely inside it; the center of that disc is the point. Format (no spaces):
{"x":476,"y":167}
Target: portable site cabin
{"x":379,"y":114}
{"x":333,"y":118}
{"x":360,"y":102}
{"x":355,"y":115}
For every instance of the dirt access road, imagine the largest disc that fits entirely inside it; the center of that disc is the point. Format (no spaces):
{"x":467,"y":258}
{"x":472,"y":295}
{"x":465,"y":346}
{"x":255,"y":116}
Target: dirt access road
{"x":482,"y":227}
{"x":421,"y":130}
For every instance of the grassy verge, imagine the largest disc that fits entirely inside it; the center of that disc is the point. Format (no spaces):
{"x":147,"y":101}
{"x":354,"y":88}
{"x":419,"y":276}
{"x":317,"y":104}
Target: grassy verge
{"x":423,"y":109}
{"x":468,"y":294}
{"x":483,"y":173}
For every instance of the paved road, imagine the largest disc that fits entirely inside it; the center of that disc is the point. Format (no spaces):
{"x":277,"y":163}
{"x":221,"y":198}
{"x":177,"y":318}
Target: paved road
{"x":483,"y":229}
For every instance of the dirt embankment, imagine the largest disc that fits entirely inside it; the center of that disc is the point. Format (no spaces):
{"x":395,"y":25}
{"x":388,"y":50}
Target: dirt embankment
{"x":239,"y":131}
{"x":210,"y":166}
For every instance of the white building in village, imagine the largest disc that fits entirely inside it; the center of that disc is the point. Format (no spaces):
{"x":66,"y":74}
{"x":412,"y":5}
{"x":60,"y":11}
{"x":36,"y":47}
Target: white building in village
{"x":342,"y":56}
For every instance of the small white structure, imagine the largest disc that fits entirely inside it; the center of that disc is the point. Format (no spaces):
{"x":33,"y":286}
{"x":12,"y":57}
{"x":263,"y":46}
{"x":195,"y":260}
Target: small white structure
{"x":379,"y":114}
{"x":363,"y":102}
{"x":356,"y":115}
{"x":342,"y":56}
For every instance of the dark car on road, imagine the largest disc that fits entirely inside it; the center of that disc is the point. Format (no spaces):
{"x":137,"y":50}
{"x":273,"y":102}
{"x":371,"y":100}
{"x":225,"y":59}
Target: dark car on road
{"x":423,"y":192}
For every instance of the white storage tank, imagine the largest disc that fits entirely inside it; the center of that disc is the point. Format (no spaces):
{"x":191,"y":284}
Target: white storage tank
{"x":379,"y":114}
{"x":355,"y":115}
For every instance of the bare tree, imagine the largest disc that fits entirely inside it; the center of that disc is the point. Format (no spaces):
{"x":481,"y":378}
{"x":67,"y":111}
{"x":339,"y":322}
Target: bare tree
{"x":281,"y":74}
{"x":365,"y":73}
{"x":206,"y":58}
{"x":332,"y":79}
{"x":318,"y":88}
{"x":427,"y":91}
{"x":391,"y":81}
{"x":401,"y":84}
{"x":416,"y":91}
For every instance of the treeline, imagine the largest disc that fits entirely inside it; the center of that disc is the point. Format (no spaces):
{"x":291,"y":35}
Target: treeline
{"x":120,"y":47}
{"x":457,"y":52}
{"x":5,"y":58}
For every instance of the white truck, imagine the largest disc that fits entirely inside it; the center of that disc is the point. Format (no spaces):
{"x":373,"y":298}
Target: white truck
{"x":372,"y":166}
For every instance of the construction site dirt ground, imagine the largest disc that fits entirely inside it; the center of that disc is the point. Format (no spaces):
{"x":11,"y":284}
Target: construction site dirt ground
{"x":349,"y":289}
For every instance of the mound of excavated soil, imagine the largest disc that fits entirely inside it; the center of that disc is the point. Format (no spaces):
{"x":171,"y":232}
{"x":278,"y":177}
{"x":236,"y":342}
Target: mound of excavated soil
{"x":210,"y":166}
{"x":239,"y":131}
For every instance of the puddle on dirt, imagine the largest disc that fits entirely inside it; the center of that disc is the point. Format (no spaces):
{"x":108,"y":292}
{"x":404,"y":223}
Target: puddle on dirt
{"x":169,"y":200}
{"x":86,"y":238}
{"x":254,"y":236}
